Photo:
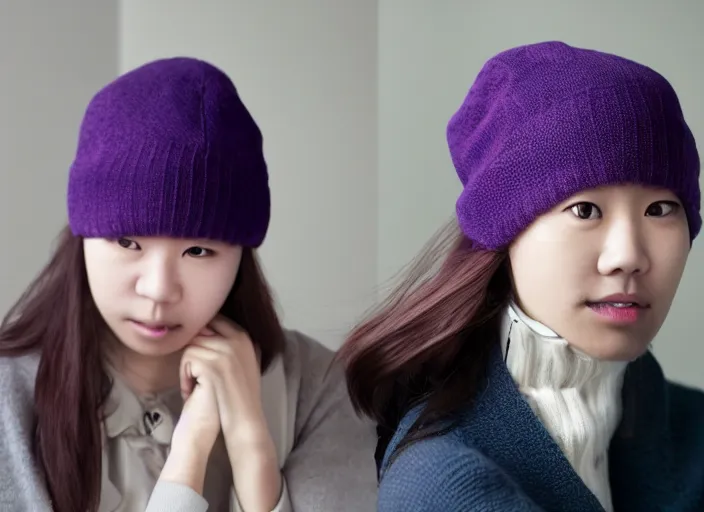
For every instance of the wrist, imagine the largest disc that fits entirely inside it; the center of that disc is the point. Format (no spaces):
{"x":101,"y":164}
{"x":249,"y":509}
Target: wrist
{"x":250,"y":430}
{"x":192,"y":444}
{"x":186,"y":465}
{"x":193,"y":440}
{"x":258,"y":480}
{"x":251,"y":444}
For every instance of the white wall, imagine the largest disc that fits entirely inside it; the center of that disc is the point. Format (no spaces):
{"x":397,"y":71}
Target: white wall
{"x":429,"y":54}
{"x":328,"y":82}
{"x":307,"y":72}
{"x":53,"y":57}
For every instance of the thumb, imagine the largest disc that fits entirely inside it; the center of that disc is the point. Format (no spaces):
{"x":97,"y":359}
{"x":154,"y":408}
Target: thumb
{"x":206,"y":331}
{"x":186,"y":379}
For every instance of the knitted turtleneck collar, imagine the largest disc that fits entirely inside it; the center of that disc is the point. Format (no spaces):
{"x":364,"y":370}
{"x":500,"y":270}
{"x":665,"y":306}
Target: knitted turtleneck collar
{"x":577,"y":398}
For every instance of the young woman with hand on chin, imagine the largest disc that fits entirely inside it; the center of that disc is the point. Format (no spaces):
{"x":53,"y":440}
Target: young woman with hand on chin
{"x":146,"y":368}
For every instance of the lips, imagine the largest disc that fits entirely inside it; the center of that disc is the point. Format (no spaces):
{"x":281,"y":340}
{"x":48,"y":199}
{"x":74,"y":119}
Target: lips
{"x":616,"y":304}
{"x":156,"y":326}
{"x":153,"y":330}
{"x":621,"y":301}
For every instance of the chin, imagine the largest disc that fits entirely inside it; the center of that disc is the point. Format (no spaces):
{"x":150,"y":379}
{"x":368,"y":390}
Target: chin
{"x":620,"y":349}
{"x":152,"y":348}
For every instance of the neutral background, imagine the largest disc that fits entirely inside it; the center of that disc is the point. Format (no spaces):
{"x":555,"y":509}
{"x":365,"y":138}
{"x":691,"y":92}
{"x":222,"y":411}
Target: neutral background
{"x":352,"y":98}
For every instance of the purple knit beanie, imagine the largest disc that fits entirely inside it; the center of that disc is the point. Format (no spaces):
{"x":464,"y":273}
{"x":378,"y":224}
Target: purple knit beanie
{"x":545,"y":121}
{"x":169,"y":149}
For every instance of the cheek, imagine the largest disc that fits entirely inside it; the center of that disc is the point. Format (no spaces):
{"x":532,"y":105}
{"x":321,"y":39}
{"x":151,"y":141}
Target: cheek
{"x":669,"y":260}
{"x":105,"y":286}
{"x":547,"y":272}
{"x":206,"y":296}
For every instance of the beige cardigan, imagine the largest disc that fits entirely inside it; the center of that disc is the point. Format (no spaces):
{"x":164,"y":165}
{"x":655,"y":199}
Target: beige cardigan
{"x":326,"y":452}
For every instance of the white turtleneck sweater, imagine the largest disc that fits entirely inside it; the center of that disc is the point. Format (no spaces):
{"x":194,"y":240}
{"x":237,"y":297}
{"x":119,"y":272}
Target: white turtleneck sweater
{"x":577,"y":398}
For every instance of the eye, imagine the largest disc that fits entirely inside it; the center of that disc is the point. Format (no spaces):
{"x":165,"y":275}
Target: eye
{"x":662,"y":209}
{"x":586,"y":211}
{"x":126,"y":243}
{"x":199,"y":252}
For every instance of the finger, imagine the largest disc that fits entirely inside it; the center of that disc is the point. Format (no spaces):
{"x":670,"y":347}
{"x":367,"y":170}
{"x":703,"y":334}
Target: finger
{"x":207,"y":331}
{"x":209,"y":347}
{"x":186,"y":380}
{"x":224,"y":326}
{"x":203,"y":349}
{"x":192,"y":367}
{"x":242,"y":349}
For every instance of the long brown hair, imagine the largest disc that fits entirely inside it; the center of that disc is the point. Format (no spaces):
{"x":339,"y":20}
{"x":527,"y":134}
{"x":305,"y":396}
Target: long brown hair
{"x":430,"y":340}
{"x":57,"y":318}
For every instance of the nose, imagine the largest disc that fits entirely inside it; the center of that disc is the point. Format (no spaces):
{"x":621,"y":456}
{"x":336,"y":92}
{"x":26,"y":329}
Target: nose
{"x":159,"y":282}
{"x":624,"y":250}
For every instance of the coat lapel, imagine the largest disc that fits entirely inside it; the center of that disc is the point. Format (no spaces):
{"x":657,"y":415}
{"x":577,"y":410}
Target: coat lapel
{"x":654,"y":465}
{"x":503,"y":426}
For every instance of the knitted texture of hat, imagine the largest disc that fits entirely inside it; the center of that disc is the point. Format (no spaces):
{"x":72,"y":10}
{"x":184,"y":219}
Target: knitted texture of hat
{"x":545,"y":121}
{"x":169,"y":149}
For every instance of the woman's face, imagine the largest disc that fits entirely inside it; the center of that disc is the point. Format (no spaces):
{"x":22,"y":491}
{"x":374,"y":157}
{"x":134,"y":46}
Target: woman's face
{"x":602,"y":268}
{"x":157,"y":294}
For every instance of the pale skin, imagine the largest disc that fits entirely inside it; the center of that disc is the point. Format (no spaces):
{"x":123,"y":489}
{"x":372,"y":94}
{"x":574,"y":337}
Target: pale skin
{"x":220,"y":382}
{"x":623,"y":239}
{"x":138,"y":283}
